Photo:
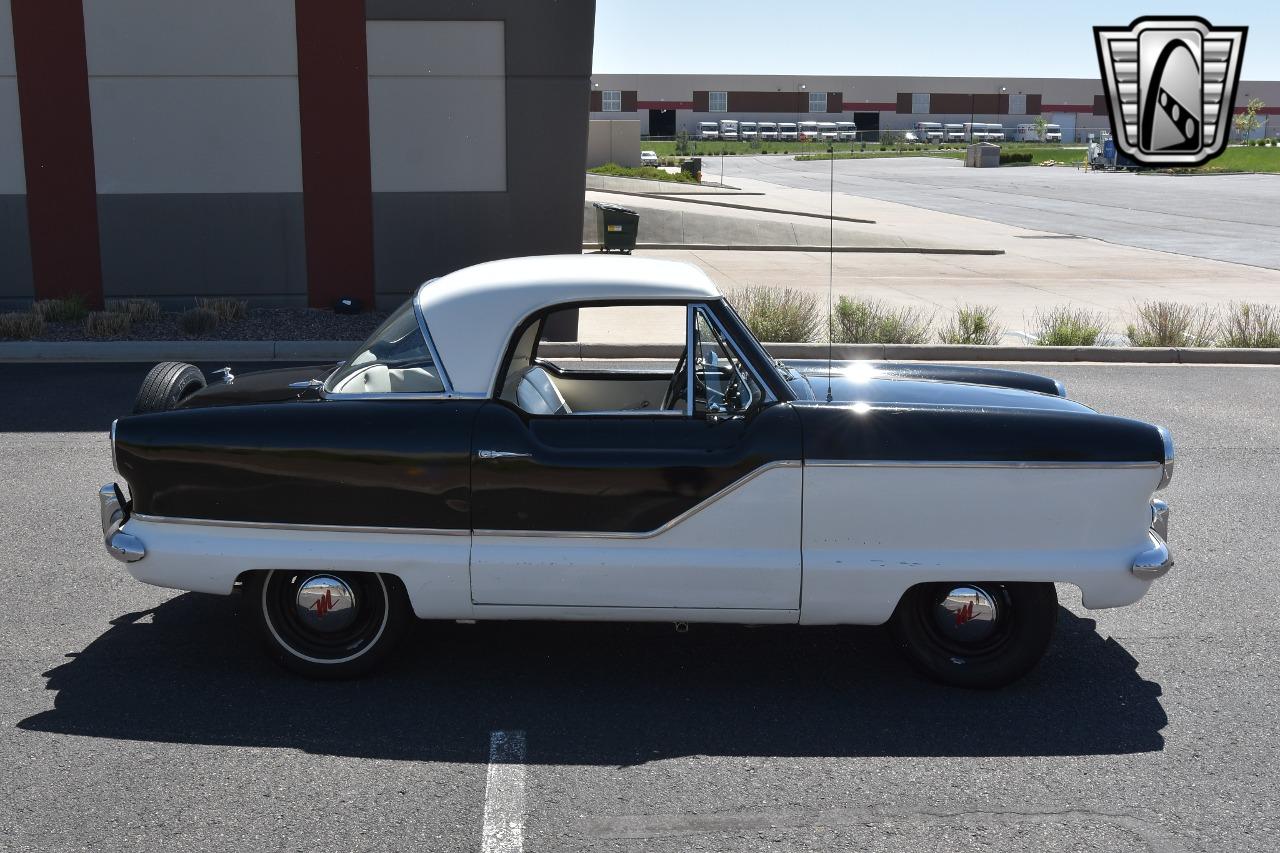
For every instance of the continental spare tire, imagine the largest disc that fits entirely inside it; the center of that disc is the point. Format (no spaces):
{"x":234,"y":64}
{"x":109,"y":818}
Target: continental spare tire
{"x":167,"y":384}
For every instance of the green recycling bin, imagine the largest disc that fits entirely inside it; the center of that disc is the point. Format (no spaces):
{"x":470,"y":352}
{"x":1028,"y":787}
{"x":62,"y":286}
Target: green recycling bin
{"x":616,"y":227}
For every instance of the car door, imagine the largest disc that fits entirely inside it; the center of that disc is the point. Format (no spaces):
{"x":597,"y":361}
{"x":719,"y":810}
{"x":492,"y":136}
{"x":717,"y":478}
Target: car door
{"x":697,"y":509}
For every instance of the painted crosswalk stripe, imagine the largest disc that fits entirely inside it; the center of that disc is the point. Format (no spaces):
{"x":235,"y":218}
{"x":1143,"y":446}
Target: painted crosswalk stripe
{"x":504,"y":794}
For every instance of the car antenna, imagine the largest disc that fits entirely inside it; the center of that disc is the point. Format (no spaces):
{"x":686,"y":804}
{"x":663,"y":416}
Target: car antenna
{"x":831,"y":262}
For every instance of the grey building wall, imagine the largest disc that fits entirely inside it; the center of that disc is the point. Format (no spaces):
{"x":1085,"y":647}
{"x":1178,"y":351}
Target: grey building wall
{"x":547,"y":62}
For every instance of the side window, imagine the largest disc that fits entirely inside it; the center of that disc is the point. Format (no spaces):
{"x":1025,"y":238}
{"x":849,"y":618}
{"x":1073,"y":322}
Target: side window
{"x":722,"y":384}
{"x":394,"y":360}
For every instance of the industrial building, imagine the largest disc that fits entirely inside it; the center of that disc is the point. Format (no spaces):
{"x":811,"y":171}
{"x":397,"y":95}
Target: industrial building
{"x":290,"y":151}
{"x":668,"y":103}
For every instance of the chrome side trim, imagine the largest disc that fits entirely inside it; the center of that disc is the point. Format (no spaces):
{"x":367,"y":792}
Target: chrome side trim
{"x":657,"y":531}
{"x":915,"y":463}
{"x":1155,"y":561}
{"x":399,"y":395}
{"x":690,"y":319}
{"x":302,"y":528}
{"x":1169,"y":457}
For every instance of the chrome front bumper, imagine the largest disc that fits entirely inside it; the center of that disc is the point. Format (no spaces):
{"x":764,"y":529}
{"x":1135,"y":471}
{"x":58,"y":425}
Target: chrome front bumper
{"x":1156,"y":560}
{"x":125,"y":547}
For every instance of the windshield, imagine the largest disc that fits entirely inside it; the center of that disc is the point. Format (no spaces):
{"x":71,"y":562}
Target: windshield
{"x":394,"y":360}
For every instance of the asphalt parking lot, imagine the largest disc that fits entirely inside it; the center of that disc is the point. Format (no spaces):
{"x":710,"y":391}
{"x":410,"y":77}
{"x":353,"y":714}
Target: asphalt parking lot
{"x":144,"y":719}
{"x":1224,"y":217}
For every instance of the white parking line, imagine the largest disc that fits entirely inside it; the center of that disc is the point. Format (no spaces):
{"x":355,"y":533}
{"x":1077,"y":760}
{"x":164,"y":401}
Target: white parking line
{"x":504,"y":794}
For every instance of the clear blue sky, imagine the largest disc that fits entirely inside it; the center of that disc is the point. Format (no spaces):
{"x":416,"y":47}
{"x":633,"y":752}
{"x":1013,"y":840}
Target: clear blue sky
{"x":894,"y":37}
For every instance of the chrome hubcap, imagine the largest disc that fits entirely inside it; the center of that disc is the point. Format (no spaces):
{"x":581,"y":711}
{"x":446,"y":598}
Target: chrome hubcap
{"x":325,"y":604}
{"x":966,"y":614}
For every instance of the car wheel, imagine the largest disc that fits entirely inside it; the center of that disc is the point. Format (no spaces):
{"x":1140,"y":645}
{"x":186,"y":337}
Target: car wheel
{"x":166,"y":385}
{"x":976,"y":634}
{"x":325,"y":624}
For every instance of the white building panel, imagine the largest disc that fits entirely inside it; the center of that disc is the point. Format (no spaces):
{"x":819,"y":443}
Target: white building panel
{"x":196,"y":135}
{"x":437,"y":106}
{"x":152,"y":38}
{"x":7,"y":64}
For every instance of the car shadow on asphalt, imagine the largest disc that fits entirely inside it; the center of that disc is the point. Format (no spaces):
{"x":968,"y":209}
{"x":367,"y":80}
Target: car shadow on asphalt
{"x":190,"y":672}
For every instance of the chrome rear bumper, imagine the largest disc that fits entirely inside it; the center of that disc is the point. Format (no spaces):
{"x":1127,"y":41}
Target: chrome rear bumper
{"x":125,"y":547}
{"x":1156,"y":560}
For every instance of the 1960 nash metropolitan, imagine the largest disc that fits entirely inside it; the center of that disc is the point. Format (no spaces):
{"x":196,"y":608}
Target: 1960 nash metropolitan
{"x":457,"y":467}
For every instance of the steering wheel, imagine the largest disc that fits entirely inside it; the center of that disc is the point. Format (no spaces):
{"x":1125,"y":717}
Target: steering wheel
{"x":678,"y":382}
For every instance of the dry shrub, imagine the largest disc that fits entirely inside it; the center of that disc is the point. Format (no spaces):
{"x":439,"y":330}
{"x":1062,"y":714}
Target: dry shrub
{"x":1068,"y":326}
{"x":227,"y":310}
{"x":778,"y":314}
{"x":138,"y":310}
{"x":972,"y":324}
{"x":1250,"y":324}
{"x":198,"y":322}
{"x":870,"y":321}
{"x":21,"y":325}
{"x":107,"y":324}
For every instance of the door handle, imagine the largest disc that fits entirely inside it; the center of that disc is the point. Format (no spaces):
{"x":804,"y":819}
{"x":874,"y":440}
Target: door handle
{"x":501,"y":454}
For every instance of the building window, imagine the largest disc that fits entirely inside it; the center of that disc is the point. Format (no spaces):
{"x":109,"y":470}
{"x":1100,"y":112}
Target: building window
{"x":718,"y":102}
{"x":817,"y":102}
{"x":611,"y":101}
{"x":920,"y":103}
{"x":1017,"y":105}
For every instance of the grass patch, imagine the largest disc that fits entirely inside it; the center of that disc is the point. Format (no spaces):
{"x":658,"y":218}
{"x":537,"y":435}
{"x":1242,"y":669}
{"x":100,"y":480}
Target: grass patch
{"x":778,"y":315}
{"x":226,"y":310}
{"x":1247,"y":158}
{"x":138,"y":310}
{"x":71,"y":309}
{"x":198,"y":322}
{"x":1171,"y":324}
{"x":1249,"y":324}
{"x":972,"y":324}
{"x":107,"y":324}
{"x":649,"y":173}
{"x":21,"y":325}
{"x":870,"y":321}
{"x":1067,"y":326}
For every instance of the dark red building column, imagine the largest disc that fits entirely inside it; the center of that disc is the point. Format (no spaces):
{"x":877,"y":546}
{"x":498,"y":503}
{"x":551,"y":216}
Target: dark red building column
{"x":57,"y":143}
{"x":333,"y":97}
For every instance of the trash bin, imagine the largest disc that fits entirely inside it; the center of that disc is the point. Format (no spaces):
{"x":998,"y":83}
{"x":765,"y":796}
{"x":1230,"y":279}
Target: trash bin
{"x":616,"y":227}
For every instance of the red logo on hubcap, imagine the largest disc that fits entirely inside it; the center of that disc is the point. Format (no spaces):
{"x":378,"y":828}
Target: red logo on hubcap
{"x":964,"y":614}
{"x":323,"y":604}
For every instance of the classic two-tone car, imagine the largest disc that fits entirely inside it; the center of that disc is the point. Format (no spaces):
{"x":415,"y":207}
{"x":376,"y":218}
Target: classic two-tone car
{"x":461,"y":466}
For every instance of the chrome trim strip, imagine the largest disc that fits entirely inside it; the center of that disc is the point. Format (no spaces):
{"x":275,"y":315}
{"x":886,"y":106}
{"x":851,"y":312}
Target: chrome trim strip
{"x":1160,"y":518}
{"x":302,"y":528}
{"x":1169,"y":457}
{"x":399,"y":395}
{"x":114,"y":466}
{"x":912,"y":463}
{"x":649,"y":534}
{"x":689,"y":366}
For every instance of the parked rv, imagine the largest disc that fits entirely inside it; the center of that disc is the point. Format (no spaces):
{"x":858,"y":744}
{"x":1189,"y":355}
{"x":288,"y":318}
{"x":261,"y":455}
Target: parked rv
{"x":828,"y":130}
{"x":953,"y":132}
{"x":981,"y":131}
{"x":768,"y":130}
{"x":1053,"y":133}
{"x":1028,"y":133}
{"x":847,"y":131}
{"x":787,"y":131}
{"x":708,"y":130}
{"x":728,"y":129}
{"x":747,"y":131}
{"x":808,"y":130}
{"x":929,"y":131}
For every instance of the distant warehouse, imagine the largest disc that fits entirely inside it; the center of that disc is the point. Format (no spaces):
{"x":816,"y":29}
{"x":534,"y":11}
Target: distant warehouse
{"x":700,"y":104}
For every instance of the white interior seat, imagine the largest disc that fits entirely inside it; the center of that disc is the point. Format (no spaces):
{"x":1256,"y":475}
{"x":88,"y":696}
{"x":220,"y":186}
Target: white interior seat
{"x":537,"y":394}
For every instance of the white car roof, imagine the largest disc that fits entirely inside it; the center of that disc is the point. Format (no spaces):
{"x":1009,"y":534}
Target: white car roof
{"x":471,"y":314}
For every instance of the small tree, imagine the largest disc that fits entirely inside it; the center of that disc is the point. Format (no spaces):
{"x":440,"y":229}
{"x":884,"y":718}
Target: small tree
{"x":682,"y":142}
{"x":1042,"y":126}
{"x":1247,"y":122}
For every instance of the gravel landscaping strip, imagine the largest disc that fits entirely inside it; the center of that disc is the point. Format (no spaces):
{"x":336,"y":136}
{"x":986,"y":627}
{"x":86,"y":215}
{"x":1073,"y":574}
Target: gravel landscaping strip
{"x":269,"y":324}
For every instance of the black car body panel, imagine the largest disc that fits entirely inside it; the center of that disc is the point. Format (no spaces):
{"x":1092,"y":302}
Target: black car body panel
{"x":364,"y":463}
{"x":609,"y":473}
{"x":929,"y":433}
{"x":817,"y":370}
{"x":259,"y":386}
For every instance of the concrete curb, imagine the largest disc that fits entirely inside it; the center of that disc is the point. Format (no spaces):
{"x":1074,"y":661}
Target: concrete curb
{"x":879,"y":250}
{"x":681,"y":197}
{"x":322,"y":351}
